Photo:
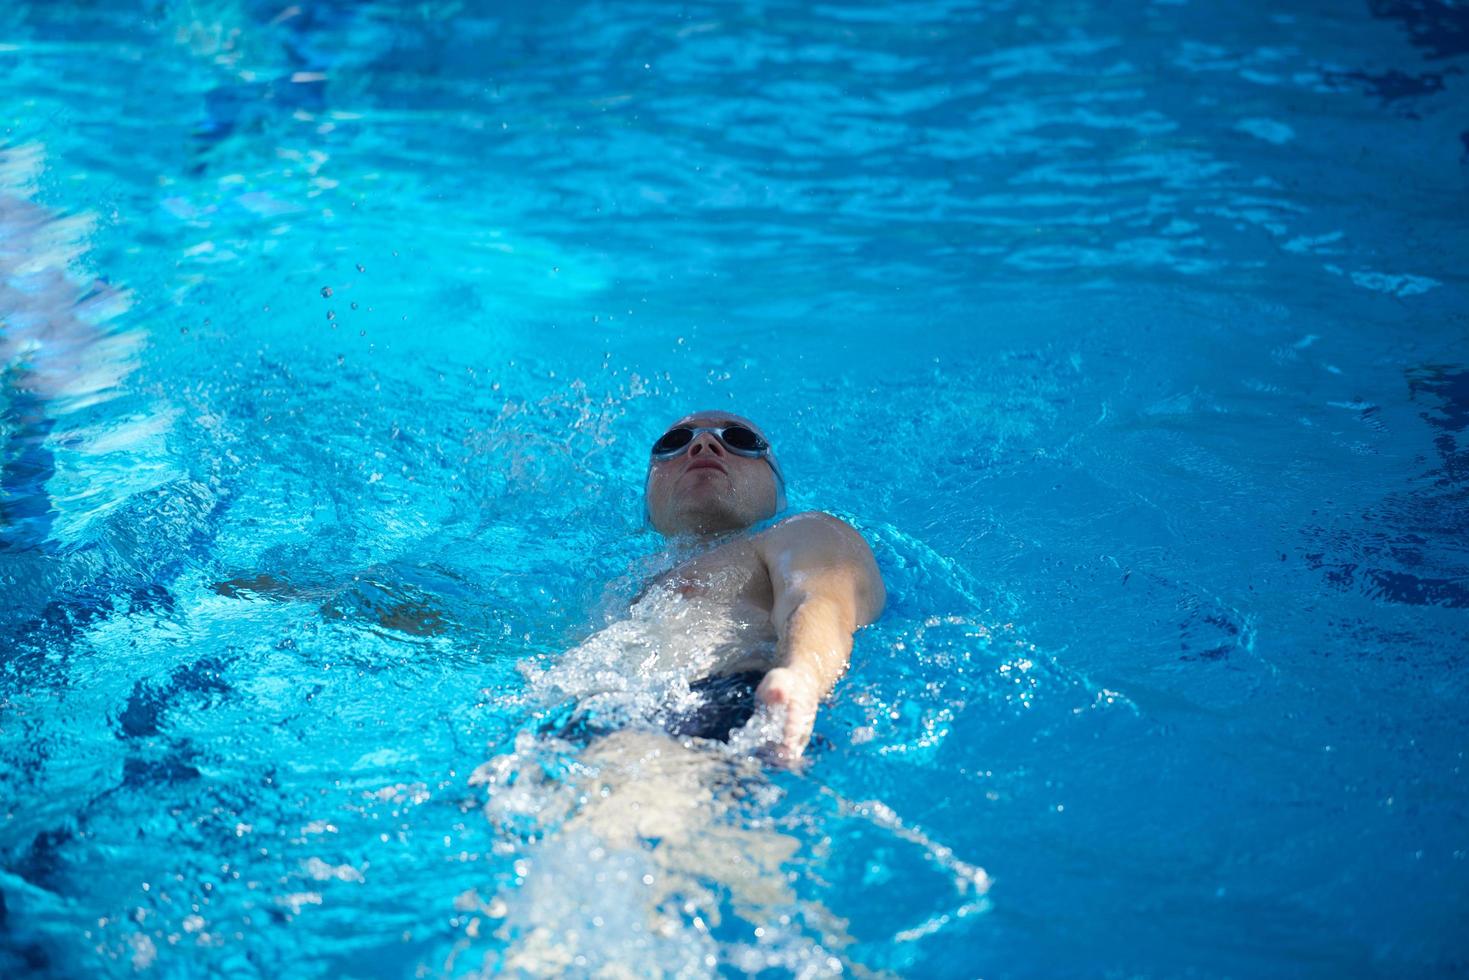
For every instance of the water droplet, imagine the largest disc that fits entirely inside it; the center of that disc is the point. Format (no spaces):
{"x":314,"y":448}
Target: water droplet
{"x":326,"y":292}
{"x":354,"y":304}
{"x":359,"y":267}
{"x":331,"y":315}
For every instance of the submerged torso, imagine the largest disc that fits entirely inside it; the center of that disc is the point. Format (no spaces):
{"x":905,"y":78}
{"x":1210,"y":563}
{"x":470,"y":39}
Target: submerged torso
{"x":706,"y":617}
{"x":727,"y":585}
{"x":685,"y":654}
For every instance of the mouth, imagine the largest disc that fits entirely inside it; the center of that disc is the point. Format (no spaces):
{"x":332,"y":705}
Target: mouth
{"x":706,"y":464}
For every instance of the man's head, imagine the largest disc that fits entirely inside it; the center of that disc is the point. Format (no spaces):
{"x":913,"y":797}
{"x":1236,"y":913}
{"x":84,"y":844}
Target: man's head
{"x":708,"y":482}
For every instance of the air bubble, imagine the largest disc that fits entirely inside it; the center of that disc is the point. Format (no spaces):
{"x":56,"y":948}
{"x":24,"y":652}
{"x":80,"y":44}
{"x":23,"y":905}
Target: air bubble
{"x":326,"y":292}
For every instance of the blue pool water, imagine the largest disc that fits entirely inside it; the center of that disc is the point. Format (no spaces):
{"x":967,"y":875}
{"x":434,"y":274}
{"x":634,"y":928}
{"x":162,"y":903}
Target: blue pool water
{"x":1133,"y":337}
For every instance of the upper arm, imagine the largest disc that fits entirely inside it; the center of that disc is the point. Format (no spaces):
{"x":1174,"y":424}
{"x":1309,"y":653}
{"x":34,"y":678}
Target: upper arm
{"x":817,"y":557}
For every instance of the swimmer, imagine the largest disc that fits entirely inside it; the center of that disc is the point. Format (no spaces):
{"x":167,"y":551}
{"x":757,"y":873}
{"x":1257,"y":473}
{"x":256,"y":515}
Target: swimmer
{"x":739,"y":641}
{"x":790,"y":595}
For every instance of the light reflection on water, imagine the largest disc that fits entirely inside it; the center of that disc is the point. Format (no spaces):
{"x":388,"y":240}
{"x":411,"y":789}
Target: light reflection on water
{"x":1133,"y":341}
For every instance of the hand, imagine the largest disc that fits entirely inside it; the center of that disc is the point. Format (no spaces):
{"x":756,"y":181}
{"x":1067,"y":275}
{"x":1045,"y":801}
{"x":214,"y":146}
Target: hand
{"x":796,"y":692}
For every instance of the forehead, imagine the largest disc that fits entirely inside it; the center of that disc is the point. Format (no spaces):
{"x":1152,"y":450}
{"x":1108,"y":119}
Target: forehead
{"x":714,"y":420}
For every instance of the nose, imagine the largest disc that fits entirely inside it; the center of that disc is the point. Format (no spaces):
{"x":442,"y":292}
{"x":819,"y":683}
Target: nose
{"x":705,"y":442}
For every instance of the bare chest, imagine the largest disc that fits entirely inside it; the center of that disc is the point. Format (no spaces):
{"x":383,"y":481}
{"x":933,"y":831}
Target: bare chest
{"x":732,"y":574}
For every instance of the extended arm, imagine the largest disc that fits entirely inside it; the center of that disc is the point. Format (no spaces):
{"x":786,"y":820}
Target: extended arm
{"x":826,"y":585}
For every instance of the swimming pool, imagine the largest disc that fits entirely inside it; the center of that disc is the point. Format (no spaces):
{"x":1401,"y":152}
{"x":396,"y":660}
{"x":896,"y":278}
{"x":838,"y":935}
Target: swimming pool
{"x":1133,"y":340}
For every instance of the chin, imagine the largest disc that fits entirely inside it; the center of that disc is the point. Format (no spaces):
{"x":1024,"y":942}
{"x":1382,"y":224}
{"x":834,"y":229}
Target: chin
{"x":712,"y":516}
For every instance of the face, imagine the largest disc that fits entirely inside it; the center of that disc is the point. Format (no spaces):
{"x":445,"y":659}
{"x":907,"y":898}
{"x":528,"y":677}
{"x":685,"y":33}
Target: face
{"x":707,"y":489}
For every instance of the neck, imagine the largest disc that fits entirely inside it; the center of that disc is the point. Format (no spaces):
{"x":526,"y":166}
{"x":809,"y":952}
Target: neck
{"x":700,"y":533}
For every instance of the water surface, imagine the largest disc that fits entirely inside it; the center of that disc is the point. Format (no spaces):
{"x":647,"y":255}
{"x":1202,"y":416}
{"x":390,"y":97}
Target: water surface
{"x":1133,"y":339}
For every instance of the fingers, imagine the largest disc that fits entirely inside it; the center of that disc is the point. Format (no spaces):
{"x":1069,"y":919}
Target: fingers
{"x":799,"y":722}
{"x":788,"y":700}
{"x":780,"y":732}
{"x":795,"y":732}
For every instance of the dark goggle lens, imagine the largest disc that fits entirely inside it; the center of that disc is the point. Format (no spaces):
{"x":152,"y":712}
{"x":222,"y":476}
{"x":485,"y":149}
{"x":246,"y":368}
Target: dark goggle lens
{"x":741,"y":438}
{"x":736,"y":437}
{"x":673,"y":440}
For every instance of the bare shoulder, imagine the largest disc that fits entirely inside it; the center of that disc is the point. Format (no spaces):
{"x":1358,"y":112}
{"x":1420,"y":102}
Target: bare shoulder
{"x":811,"y":527}
{"x":814,"y":545}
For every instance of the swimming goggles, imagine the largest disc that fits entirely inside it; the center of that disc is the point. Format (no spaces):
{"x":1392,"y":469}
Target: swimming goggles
{"x":738,"y":439}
